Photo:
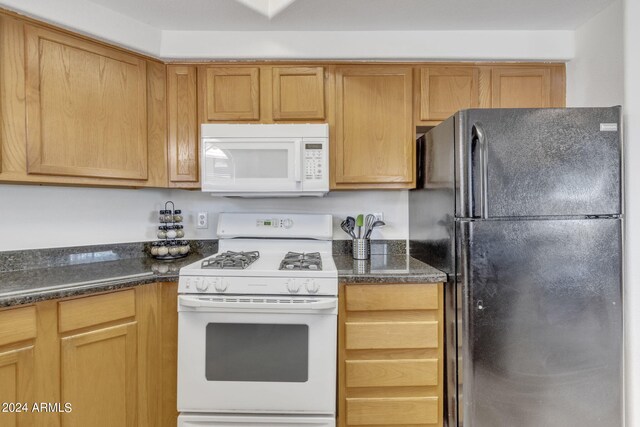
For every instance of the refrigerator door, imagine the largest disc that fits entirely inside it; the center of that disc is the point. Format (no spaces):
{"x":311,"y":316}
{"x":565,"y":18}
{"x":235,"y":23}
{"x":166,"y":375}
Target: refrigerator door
{"x":539,"y":162}
{"x":541,"y":323}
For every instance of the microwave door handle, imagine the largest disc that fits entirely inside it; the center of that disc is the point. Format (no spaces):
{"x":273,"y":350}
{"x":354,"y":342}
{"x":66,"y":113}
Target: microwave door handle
{"x":197,"y":303}
{"x":297,"y":154}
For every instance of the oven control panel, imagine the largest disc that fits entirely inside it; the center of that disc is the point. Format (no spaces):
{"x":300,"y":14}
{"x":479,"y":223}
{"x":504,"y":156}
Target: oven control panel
{"x":274,"y":223}
{"x":258,"y":285}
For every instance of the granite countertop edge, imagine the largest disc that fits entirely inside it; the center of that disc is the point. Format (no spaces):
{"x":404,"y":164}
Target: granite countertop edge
{"x":416,"y":272}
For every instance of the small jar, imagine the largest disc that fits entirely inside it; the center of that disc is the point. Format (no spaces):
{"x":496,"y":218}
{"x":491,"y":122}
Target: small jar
{"x":179,"y":231}
{"x":177,"y":216}
{"x":184,"y":248}
{"x":161,"y":218}
{"x":163,"y":250}
{"x":171,"y":232}
{"x":162,"y":232}
{"x":154,"y":249}
{"x":174,"y":249}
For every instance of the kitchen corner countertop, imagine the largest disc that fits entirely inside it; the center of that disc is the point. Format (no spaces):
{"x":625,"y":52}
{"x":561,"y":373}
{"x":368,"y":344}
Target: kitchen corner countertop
{"x":29,"y":286}
{"x":381,"y":269}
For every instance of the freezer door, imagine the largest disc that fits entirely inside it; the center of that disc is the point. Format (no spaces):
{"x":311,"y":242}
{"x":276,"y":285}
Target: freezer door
{"x":541,"y":323}
{"x":539,"y":162}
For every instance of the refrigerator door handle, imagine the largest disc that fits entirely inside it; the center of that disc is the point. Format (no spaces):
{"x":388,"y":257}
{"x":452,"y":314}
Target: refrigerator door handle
{"x":480,"y":140}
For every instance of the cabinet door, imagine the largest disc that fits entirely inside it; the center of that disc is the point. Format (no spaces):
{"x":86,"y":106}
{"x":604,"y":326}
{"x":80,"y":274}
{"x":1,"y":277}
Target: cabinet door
{"x":298,"y":93}
{"x":231,"y":93}
{"x":99,"y":376}
{"x":374,"y":133}
{"x":521,"y":87}
{"x":17,"y":364}
{"x":183,"y":126}
{"x":86,"y":108}
{"x":445,"y":90}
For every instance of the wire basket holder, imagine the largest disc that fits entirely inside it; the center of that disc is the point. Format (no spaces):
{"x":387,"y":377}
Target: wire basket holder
{"x":170,"y":232}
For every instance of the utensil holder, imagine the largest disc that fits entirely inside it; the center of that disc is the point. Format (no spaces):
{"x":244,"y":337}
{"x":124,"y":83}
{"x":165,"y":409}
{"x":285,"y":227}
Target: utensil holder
{"x":361,"y":248}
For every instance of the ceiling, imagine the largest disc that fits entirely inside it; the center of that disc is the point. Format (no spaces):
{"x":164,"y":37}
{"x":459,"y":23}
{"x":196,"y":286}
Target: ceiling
{"x":360,"y":15}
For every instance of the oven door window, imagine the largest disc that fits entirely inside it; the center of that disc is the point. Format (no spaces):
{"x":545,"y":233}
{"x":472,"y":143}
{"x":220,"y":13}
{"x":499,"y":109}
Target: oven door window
{"x":257,"y":352}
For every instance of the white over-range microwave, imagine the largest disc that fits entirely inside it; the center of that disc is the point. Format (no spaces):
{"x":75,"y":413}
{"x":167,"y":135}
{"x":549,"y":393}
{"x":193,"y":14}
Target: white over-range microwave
{"x":271,"y":160}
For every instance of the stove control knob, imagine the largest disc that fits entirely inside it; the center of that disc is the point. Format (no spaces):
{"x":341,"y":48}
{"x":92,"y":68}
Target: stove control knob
{"x":201,"y":284}
{"x":292,"y":286}
{"x":220,"y":285}
{"x":287,"y":223}
{"x":312,"y":286}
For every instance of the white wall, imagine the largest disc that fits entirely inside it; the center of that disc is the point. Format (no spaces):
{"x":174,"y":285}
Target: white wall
{"x":41,"y":216}
{"x":595,"y":75}
{"x":632,"y":160}
{"x":98,"y":21}
{"x":388,"y":45}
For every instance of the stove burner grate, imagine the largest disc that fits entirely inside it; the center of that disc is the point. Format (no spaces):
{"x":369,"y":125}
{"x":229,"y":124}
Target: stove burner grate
{"x":301,"y":261}
{"x":231,"y":260}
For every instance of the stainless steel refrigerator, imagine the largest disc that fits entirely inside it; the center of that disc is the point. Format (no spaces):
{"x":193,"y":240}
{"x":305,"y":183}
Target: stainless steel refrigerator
{"x":523,"y":209}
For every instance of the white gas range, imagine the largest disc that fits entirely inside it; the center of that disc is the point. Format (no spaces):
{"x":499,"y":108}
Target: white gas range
{"x":257,"y":325}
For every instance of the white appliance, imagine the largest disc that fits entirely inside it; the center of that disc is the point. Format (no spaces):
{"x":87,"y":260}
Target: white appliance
{"x":253,"y":160}
{"x":257,"y":325}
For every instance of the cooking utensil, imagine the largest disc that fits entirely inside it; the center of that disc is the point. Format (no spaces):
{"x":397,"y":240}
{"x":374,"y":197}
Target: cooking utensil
{"x":345,"y":227}
{"x":374,"y":225}
{"x":368,"y":222}
{"x":351,"y":223}
{"x":359,"y":224}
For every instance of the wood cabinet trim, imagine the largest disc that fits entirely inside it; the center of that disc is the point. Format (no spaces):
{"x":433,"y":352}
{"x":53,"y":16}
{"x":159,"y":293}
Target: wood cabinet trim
{"x":391,"y":373}
{"x":94,"y":310}
{"x":407,"y":177}
{"x":209,"y":93}
{"x":317,"y":113}
{"x":497,"y":73}
{"x":17,"y":324}
{"x":392,"y":411}
{"x":183,"y":144}
{"x":426,"y":90}
{"x":391,"y":297}
{"x":71,"y":385}
{"x":34,"y":137}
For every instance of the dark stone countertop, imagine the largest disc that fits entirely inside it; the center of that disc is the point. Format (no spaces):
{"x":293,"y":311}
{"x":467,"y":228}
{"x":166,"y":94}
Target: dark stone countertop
{"x":29,"y":286}
{"x":381,"y":269}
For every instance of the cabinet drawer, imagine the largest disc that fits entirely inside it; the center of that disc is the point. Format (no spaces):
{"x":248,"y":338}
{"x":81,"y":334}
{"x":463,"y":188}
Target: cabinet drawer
{"x":392,"y":297}
{"x":381,"y":335}
{"x":392,"y":411}
{"x":392,"y":373}
{"x":90,"y":311}
{"x":17,"y":324}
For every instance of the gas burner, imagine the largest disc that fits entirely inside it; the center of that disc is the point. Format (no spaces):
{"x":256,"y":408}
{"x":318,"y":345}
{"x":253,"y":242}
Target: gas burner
{"x":231,"y":260}
{"x":301,"y":261}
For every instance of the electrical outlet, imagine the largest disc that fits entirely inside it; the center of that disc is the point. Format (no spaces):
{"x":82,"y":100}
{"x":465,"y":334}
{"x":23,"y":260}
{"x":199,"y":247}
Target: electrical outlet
{"x":379,"y":216}
{"x":202,"y":220}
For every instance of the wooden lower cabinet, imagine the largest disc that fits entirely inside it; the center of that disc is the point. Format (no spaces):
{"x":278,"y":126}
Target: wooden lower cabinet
{"x":105,"y":356}
{"x":17,"y":340}
{"x":390,"y":355}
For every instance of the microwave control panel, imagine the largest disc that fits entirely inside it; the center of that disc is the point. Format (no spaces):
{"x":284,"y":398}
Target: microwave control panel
{"x":313,"y":161}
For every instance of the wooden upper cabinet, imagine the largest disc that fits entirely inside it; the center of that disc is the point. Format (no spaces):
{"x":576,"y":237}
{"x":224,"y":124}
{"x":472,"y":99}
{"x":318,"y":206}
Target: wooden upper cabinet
{"x":374,"y":137}
{"x":86,"y":108}
{"x":445,"y":90}
{"x":182,"y":150}
{"x":298,"y":93}
{"x":230,"y":93}
{"x":518,"y":87}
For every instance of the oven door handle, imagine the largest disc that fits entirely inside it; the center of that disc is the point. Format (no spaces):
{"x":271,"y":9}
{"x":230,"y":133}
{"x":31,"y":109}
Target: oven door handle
{"x":275,"y":307}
